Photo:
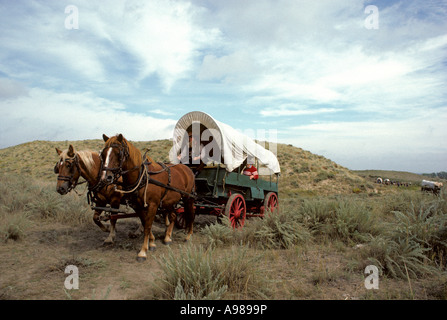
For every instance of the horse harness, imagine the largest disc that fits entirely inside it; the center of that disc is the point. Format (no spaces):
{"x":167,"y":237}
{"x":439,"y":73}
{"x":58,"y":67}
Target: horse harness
{"x":145,"y":179}
{"x":72,"y":184}
{"x":92,"y":189}
{"x":144,"y":174}
{"x":123,"y":154}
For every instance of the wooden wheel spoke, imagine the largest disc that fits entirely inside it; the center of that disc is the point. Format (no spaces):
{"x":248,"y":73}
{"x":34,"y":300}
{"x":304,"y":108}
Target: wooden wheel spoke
{"x":235,"y":210}
{"x":271,"y":201}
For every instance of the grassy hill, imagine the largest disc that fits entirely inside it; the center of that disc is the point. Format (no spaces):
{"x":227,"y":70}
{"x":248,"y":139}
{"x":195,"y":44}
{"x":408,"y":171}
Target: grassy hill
{"x":401,"y":176}
{"x":302,"y":173}
{"x":331,"y":224}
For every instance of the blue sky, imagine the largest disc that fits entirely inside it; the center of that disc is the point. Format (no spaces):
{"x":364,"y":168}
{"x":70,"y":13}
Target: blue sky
{"x":311,"y":70}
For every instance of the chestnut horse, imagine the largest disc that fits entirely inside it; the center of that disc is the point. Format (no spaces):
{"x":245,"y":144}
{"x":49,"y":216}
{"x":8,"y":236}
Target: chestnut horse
{"x":87,"y":164}
{"x":153,"y":186}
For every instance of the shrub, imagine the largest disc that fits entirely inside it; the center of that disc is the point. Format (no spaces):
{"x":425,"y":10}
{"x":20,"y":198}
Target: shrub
{"x":49,"y":205}
{"x":316,"y":214}
{"x":412,"y":241}
{"x":189,"y":274}
{"x":354,"y":221}
{"x":356,"y":190}
{"x":46,"y":205}
{"x":323,"y":175}
{"x":16,"y":192}
{"x":196,"y":273}
{"x":426,"y":224}
{"x":344,"y":219}
{"x":398,"y":258}
{"x":279,"y":230}
{"x":220,"y":234}
{"x":14,"y":225}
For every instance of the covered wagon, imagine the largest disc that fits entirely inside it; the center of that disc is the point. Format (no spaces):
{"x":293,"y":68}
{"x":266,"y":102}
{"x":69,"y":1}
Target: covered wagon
{"x":220,"y":157}
{"x":431,"y":186}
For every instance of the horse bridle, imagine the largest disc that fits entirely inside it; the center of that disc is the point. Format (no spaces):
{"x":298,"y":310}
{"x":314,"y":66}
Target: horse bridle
{"x":122,"y":156}
{"x":72,"y":184}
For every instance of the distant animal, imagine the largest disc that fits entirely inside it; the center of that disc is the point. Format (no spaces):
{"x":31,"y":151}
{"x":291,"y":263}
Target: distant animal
{"x":152,"y":186}
{"x":387,"y":181}
{"x":379,"y":180}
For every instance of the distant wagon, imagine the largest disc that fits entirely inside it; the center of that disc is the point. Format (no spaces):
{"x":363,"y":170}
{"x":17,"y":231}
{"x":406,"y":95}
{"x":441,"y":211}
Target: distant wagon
{"x":431,"y":186}
{"x":218,"y":162}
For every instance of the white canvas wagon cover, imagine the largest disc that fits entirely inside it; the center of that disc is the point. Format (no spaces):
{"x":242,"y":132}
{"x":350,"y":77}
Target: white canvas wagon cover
{"x":235,"y":146}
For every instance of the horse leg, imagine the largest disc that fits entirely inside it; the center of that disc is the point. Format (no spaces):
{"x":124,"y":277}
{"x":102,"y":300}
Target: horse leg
{"x":98,"y":222}
{"x":111,"y":238}
{"x":149,"y":239}
{"x":167,"y":219}
{"x":137,"y":232}
{"x":189,"y":217}
{"x":170,"y":222}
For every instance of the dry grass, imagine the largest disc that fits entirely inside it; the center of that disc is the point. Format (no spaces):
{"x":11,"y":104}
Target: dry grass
{"x":316,"y":247}
{"x":302,"y":172}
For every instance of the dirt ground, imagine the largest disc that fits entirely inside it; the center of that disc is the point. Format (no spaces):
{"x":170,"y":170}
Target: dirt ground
{"x":34,"y":267}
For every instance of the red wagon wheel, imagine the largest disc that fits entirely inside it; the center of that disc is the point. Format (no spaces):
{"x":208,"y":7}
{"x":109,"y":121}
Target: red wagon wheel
{"x":180,"y":222}
{"x":235,"y":210}
{"x":271,"y":202}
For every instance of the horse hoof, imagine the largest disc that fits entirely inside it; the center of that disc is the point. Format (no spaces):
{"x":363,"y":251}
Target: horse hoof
{"x":152,"y":248}
{"x":167,"y":243}
{"x":141,"y":259}
{"x":107,"y":243}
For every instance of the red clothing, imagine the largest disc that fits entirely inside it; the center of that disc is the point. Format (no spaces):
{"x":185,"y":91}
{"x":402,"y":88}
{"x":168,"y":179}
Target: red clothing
{"x":251,"y":170}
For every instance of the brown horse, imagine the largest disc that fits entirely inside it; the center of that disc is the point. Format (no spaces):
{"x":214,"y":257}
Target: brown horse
{"x":151,"y":185}
{"x":87,"y":164}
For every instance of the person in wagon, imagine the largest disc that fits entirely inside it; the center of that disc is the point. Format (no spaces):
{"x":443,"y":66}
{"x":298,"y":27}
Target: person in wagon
{"x":251,"y":171}
{"x":195,"y":152}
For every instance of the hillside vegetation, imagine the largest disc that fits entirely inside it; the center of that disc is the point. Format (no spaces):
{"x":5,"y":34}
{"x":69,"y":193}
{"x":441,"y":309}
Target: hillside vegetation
{"x":331,"y":224}
{"x":302,"y":173}
{"x":401,"y":176}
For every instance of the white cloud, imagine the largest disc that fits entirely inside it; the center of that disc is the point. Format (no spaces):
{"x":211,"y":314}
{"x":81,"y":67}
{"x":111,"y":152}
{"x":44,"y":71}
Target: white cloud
{"x":137,"y":39}
{"x":293,"y":110}
{"x":320,"y":53}
{"x":46,"y":115}
{"x":236,"y":67}
{"x":11,"y":89}
{"x":161,"y":36}
{"x":396,"y":145}
{"x":292,"y":62}
{"x":161,"y":112}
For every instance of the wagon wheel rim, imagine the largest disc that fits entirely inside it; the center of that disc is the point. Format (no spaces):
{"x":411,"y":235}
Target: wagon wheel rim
{"x":237,"y":212}
{"x":180,"y":220}
{"x":272,"y":202}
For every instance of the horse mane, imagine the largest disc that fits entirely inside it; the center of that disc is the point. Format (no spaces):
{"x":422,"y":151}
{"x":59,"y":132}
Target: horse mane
{"x":86,"y":157}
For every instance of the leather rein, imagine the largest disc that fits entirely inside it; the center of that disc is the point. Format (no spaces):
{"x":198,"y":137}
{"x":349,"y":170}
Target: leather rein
{"x":92,"y":189}
{"x":72,"y":183}
{"x":144,"y":174}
